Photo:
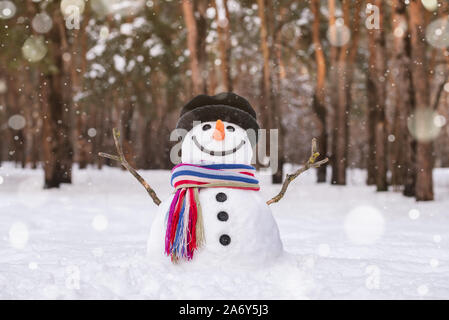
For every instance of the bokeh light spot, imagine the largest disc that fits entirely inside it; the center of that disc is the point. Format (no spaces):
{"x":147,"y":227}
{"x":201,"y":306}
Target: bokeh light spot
{"x":423,"y":290}
{"x":430,"y":5}
{"x":16,"y":122}
{"x":34,"y":49}
{"x":434,"y":263}
{"x":421,"y":125}
{"x":92,"y":132}
{"x":7,"y":9}
{"x":437,"y":33}
{"x":364,"y":225}
{"x":42,"y":23}
{"x":338,"y":34}
{"x":18,"y":235}
{"x":414,"y":214}
{"x":100,"y":222}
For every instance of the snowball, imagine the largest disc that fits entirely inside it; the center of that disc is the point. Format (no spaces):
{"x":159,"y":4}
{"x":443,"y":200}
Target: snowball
{"x":364,"y":225}
{"x":18,"y":235}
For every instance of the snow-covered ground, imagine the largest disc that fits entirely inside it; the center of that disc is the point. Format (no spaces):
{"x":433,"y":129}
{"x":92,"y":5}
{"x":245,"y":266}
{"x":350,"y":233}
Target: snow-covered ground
{"x":88,"y":240}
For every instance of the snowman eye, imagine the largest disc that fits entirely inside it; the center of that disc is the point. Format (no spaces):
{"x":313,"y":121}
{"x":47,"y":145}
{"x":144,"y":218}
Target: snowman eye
{"x":206,"y":127}
{"x":230,"y":128}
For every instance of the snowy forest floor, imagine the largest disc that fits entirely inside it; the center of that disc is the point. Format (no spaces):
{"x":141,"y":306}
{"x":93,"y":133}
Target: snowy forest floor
{"x":88,"y":240}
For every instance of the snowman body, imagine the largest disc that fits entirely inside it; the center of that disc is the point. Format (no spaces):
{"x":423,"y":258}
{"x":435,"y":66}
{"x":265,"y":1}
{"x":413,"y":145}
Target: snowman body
{"x":239,"y":227}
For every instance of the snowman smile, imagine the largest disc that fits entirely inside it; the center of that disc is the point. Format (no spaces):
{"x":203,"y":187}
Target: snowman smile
{"x":217,"y":153}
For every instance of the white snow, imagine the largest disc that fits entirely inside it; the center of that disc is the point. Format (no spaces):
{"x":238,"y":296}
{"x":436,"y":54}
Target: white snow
{"x":119,"y":63}
{"x":63,"y":254}
{"x":126,"y":29}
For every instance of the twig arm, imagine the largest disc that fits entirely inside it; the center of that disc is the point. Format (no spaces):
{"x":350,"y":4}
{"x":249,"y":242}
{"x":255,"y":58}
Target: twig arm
{"x":290,"y":177}
{"x":121,"y":158}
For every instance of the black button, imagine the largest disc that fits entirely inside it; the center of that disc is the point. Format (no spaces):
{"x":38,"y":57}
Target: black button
{"x":222,"y":216}
{"x":221,"y":197}
{"x":225,"y":239}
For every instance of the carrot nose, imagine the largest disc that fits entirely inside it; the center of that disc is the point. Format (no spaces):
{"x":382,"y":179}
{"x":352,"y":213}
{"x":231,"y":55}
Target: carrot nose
{"x":219,"y":133}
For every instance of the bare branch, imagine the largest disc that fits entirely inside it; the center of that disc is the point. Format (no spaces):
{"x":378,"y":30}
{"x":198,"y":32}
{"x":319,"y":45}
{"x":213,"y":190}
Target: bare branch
{"x":109,"y":156}
{"x":290,"y":177}
{"x":121,"y":158}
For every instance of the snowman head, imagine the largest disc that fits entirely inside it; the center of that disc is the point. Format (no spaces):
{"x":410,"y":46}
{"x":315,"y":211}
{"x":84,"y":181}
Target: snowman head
{"x":217,"y":142}
{"x":220,"y":129}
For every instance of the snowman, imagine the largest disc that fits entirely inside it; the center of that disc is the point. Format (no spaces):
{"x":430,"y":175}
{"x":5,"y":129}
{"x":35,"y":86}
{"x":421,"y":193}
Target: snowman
{"x":216,"y":213}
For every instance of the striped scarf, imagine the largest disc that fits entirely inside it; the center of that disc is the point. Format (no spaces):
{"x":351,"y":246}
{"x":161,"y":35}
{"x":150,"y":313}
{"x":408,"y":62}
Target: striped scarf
{"x":185,"y":231}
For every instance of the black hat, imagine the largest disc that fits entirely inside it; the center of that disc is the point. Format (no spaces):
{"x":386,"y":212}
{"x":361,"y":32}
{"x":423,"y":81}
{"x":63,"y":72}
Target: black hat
{"x":226,"y":106}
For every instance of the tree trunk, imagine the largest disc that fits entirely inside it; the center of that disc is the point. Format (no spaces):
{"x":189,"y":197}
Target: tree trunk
{"x":371,"y":116}
{"x":319,"y":104}
{"x":403,"y":154}
{"x":56,"y":86}
{"x":377,"y":78}
{"x":424,"y":149}
{"x":270,"y":111}
{"x":266,"y":79}
{"x":341,"y":124}
{"x":224,"y":43}
{"x":196,"y":32}
{"x":333,"y":87}
{"x":342,"y":76}
{"x":83,"y":148}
